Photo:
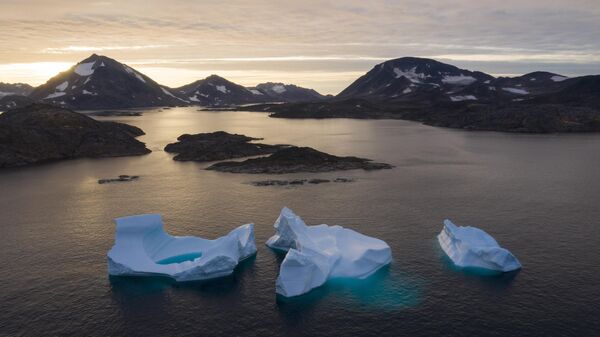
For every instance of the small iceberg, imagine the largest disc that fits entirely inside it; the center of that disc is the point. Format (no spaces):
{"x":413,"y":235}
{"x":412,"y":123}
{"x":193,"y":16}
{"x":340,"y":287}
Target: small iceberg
{"x":318,"y":253}
{"x":472,"y":247}
{"x":143,"y":248}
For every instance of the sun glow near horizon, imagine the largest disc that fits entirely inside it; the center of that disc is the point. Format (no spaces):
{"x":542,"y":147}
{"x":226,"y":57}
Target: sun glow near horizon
{"x":33,"y":73}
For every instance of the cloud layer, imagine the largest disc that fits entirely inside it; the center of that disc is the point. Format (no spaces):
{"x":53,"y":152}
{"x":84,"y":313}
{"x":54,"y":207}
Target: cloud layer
{"x":303,"y":38}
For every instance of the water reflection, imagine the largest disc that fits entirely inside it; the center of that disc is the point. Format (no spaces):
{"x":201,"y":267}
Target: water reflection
{"x":387,"y":289}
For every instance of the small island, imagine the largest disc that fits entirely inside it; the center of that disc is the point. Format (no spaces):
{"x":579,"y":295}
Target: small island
{"x":220,"y":145}
{"x":298,"y":159}
{"x":40,"y":133}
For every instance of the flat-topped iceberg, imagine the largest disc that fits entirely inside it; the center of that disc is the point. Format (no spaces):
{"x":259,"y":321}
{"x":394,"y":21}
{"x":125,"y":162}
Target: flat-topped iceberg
{"x":318,"y":253}
{"x":143,"y":248}
{"x":472,"y":247}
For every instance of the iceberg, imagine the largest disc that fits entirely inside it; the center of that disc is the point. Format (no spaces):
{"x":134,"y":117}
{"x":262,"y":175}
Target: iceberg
{"x":318,"y":253}
{"x":143,"y":248}
{"x":472,"y":247}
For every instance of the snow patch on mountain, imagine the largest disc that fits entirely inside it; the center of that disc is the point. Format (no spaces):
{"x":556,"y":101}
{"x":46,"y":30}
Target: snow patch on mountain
{"x":167,"y":92}
{"x":407,"y":91}
{"x":85,"y":69}
{"x":62,"y":86}
{"x":278,"y":88}
{"x":516,"y":91}
{"x":54,"y":95}
{"x":410,"y":74}
{"x":134,"y":73}
{"x":463,"y":98}
{"x":255,"y":92}
{"x":222,"y":89}
{"x":459,"y":80}
{"x":558,"y":78}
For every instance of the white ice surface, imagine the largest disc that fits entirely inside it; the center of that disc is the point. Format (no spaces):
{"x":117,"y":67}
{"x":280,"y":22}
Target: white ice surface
{"x":255,"y":92}
{"x":472,"y":247}
{"x":141,"y":243}
{"x":318,"y":253}
{"x":85,"y":69}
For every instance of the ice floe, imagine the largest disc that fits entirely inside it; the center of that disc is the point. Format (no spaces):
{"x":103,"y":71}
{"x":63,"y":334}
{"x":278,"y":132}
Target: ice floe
{"x":318,"y":253}
{"x":143,"y":248}
{"x":472,"y":247}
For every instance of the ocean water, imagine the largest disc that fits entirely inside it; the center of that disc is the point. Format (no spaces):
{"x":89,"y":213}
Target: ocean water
{"x":538,"y":195}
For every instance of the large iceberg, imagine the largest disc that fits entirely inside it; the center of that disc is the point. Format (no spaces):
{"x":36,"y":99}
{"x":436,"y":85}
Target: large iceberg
{"x":472,"y":247}
{"x":143,"y":248}
{"x":318,"y":253}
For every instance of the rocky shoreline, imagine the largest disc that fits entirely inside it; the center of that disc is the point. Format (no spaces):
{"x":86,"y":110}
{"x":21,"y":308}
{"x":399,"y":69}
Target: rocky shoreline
{"x":296,"y":182}
{"x":220,"y":145}
{"x":297,"y":159}
{"x":41,"y":133}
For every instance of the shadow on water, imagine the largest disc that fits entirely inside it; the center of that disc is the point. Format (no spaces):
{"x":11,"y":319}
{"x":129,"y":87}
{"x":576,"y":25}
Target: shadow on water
{"x":384,"y":290}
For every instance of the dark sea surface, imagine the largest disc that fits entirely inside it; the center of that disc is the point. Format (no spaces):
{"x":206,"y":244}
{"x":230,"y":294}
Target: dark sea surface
{"x":538,"y":195}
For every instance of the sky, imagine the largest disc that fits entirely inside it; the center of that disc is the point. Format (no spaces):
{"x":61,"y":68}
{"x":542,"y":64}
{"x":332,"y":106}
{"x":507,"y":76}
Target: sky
{"x":323,"y":45}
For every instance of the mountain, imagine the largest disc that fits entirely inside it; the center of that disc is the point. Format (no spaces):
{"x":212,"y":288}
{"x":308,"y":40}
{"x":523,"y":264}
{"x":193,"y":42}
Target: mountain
{"x":412,"y":78}
{"x":279,"y":92}
{"x":217,"y":91}
{"x":14,"y":101}
{"x":99,"y":82}
{"x":42,"y":132}
{"x":15,"y":89}
{"x":440,"y":94}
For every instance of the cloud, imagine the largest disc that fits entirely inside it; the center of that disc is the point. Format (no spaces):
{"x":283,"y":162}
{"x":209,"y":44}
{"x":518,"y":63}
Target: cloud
{"x":253,"y":34}
{"x":71,"y":49}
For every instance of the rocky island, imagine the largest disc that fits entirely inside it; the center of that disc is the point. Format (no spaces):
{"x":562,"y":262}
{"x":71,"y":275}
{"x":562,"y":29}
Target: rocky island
{"x":298,"y":159}
{"x":220,"y":145}
{"x":40,"y":133}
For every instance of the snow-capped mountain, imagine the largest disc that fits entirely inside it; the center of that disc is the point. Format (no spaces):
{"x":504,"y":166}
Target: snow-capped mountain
{"x":217,"y":91}
{"x":279,"y":92}
{"x":15,"y":89}
{"x":99,"y":82}
{"x":515,"y":88}
{"x":411,"y":77}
